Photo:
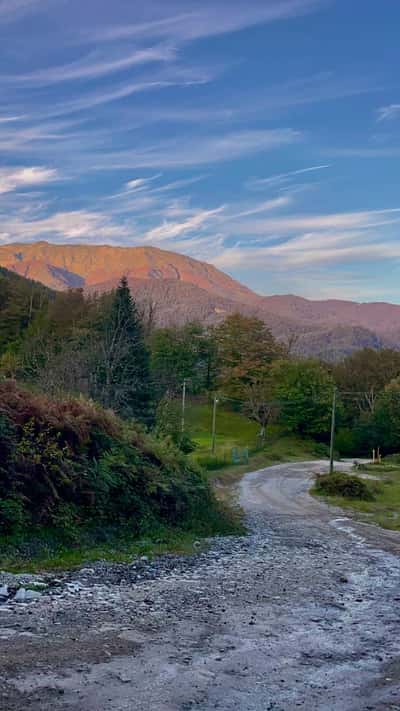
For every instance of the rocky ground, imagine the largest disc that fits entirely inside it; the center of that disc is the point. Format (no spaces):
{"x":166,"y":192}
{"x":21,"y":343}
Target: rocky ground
{"x":303,"y":613}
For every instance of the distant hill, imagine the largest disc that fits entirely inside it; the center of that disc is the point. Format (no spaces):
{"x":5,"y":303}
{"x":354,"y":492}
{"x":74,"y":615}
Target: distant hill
{"x":101,"y":267}
{"x":184,"y":289}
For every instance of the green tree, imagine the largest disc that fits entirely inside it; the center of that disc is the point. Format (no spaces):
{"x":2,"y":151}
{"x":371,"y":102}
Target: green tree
{"x":364,"y":375}
{"x":21,"y":302}
{"x":245,"y":349}
{"x":304,"y":391}
{"x":382,"y":427}
{"x":183,"y":353}
{"x":123,"y":380}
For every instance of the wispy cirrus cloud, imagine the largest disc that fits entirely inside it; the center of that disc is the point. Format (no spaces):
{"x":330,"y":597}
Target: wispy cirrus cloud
{"x":339,"y":221}
{"x":26,"y":177}
{"x":205,"y":150}
{"x":206,"y":19}
{"x":170,"y":230}
{"x":281,"y":178}
{"x":304,"y":241}
{"x":124,"y":90}
{"x":92,"y":67}
{"x":140,"y":183}
{"x":11,"y":119}
{"x":270,"y":258}
{"x":389,"y":113}
{"x":266,"y":206}
{"x":71,"y":225}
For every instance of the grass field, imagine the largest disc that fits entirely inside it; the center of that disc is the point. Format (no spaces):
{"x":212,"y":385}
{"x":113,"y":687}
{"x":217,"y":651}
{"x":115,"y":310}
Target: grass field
{"x":384,"y":509}
{"x":236,"y":431}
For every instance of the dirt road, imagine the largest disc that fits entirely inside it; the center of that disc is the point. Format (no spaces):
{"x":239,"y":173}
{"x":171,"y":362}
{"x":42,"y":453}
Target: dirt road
{"x":304,"y":612}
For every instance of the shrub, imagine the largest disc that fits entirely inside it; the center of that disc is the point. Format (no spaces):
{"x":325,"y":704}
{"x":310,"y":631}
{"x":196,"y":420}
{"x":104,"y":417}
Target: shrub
{"x":212,"y":462}
{"x":68,"y":464}
{"x":346,"y":485}
{"x":347,"y":442}
{"x":13,"y":517}
{"x":321,"y":450}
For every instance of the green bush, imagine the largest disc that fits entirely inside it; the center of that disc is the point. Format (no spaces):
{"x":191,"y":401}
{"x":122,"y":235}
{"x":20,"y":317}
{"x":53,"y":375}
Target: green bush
{"x":347,"y":442}
{"x":69,"y":465}
{"x":212,"y":462}
{"x":346,"y":485}
{"x":13,"y":517}
{"x":321,"y":450}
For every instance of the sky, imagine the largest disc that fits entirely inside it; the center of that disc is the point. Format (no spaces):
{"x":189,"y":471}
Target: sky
{"x":262,"y":136}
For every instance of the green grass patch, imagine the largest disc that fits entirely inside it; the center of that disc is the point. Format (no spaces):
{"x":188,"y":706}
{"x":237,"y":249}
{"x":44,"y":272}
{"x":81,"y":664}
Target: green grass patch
{"x":383,"y":507}
{"x":234,"y":430}
{"x":47,"y":550}
{"x":50,"y":556}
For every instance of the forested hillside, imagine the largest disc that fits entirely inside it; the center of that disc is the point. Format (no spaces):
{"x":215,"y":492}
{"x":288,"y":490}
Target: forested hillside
{"x":182,"y":289}
{"x":21,"y":302}
{"x":90,"y":408}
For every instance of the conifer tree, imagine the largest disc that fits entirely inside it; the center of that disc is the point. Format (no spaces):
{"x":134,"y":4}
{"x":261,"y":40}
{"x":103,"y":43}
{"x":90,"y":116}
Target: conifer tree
{"x":124,"y":372}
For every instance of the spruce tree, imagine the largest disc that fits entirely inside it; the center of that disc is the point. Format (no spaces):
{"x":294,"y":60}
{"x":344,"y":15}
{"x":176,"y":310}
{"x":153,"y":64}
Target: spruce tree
{"x":124,"y":374}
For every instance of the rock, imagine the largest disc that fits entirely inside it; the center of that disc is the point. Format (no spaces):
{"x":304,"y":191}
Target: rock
{"x":125,"y":677}
{"x":31,"y":595}
{"x":74,"y":587}
{"x":4,"y":592}
{"x":24,"y":595}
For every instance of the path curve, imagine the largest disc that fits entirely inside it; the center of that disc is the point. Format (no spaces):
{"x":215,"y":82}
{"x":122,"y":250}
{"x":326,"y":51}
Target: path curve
{"x":284,"y":489}
{"x":302,"y":613}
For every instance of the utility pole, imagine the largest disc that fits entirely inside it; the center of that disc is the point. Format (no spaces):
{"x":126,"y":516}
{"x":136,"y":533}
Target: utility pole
{"x":183,"y":406}
{"x":333,"y":424}
{"x":214,"y":421}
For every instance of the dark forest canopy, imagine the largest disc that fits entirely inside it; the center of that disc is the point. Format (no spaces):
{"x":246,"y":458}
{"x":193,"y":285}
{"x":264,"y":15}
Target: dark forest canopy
{"x":108,"y":349}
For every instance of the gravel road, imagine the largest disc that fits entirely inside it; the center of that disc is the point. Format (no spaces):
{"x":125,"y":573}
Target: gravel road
{"x":303,"y":613}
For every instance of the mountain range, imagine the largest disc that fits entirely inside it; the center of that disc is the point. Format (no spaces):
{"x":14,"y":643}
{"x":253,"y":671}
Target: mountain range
{"x":183,"y":289}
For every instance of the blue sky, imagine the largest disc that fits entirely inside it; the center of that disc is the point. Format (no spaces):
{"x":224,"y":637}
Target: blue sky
{"x":262,"y":136}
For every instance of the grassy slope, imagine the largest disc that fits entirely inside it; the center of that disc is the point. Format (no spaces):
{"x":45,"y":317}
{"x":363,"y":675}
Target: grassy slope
{"x":385,"y":509}
{"x":235,"y":430}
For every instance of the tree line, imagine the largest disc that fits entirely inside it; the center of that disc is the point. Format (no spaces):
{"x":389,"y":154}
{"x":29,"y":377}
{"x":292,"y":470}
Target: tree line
{"x":107,"y":348}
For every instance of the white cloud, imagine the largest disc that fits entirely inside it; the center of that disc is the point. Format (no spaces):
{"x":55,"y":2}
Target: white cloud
{"x":273,"y":180}
{"x":140,"y":183}
{"x":287,"y":256}
{"x":74,"y":225}
{"x":163,"y":80}
{"x":339,"y":221}
{"x":388,"y":113}
{"x":10,"y":119}
{"x":210,"y":18}
{"x":136,"y":184}
{"x":177,"y":184}
{"x":201,"y":151}
{"x":266,"y":206}
{"x":170,"y":230}
{"x":92,"y":67}
{"x":17,"y":178}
